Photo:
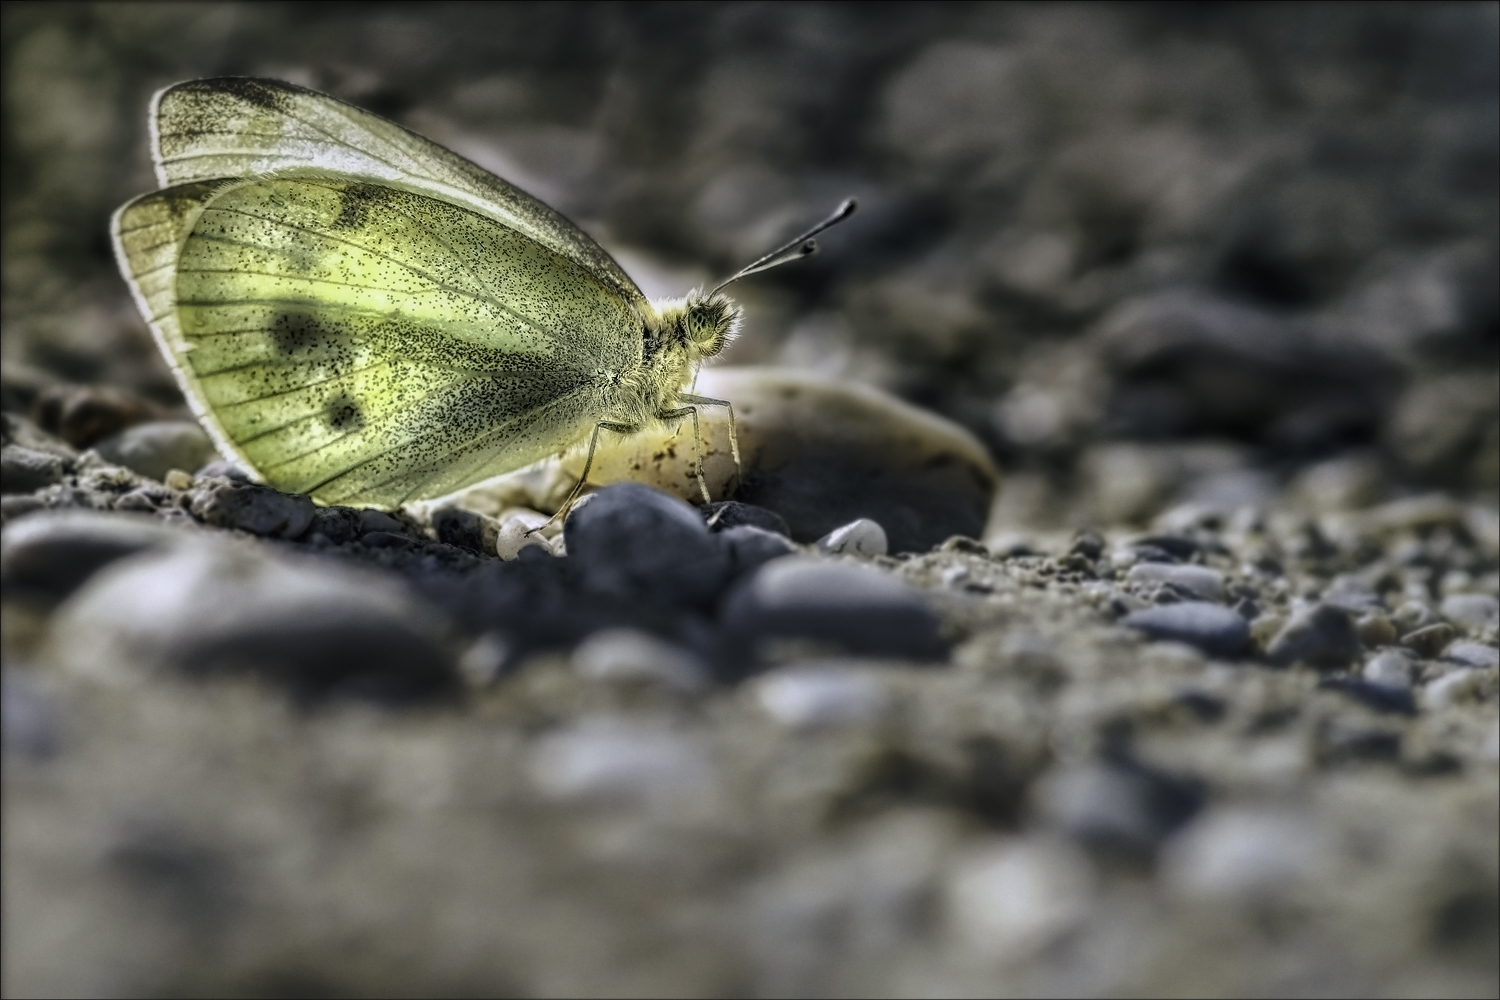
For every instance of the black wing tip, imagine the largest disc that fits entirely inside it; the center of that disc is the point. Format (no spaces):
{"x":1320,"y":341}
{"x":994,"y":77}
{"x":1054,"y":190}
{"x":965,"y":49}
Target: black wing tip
{"x":260,"y":91}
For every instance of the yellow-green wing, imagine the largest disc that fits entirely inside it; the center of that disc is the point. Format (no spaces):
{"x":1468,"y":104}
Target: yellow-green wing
{"x":245,"y":127}
{"x":369,"y":345}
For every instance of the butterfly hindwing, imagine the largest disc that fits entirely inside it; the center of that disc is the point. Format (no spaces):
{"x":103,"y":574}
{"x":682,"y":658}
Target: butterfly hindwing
{"x":243,"y":127}
{"x":370,"y":345}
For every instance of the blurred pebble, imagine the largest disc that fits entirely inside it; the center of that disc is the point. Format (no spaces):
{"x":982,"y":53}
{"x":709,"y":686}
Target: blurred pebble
{"x":1321,"y":636}
{"x":372,"y":520}
{"x":630,"y":540}
{"x":857,"y":608}
{"x":49,"y":554}
{"x":223,"y":469}
{"x":1472,"y":654}
{"x":1352,"y":594}
{"x":1118,"y":804}
{"x":1011,"y":901}
{"x":1429,"y":641}
{"x":809,"y":696}
{"x":154,"y":449}
{"x":862,"y":537}
{"x":1217,"y":630}
{"x":751,"y":547}
{"x":1199,"y":581}
{"x":1474,"y":612}
{"x":628,"y":655}
{"x":209,"y":606}
{"x":465,"y":529}
{"x":1390,"y":668}
{"x":23,"y":470}
{"x":1457,"y":687}
{"x":732,"y":514}
{"x":259,"y":510}
{"x":82,"y":415}
{"x":28,"y":720}
{"x":1244,"y":853}
{"x":1375,"y":629}
{"x":1381,"y":697}
{"x":614,"y":760}
{"x":1411,"y":616}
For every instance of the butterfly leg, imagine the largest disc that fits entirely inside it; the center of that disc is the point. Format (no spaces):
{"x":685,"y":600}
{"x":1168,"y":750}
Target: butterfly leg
{"x":734,"y":438}
{"x":588,"y":463}
{"x":691,"y":411}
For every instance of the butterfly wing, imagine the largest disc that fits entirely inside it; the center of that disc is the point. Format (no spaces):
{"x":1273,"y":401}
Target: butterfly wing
{"x":366,"y":344}
{"x":243,"y":127}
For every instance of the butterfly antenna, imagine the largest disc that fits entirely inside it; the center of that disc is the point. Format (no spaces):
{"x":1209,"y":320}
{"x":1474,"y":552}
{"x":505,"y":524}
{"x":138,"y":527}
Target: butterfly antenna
{"x":803,"y":246}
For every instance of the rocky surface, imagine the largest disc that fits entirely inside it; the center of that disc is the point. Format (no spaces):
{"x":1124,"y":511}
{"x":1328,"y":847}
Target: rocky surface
{"x":1206,"y":703}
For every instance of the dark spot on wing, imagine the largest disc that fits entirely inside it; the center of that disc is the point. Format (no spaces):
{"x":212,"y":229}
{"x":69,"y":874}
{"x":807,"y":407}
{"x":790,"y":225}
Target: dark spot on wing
{"x":344,"y":414}
{"x":355,"y":202}
{"x":295,"y":331}
{"x":273,"y":95}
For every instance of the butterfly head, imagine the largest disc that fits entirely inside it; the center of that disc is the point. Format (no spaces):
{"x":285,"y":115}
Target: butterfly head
{"x":702,"y":322}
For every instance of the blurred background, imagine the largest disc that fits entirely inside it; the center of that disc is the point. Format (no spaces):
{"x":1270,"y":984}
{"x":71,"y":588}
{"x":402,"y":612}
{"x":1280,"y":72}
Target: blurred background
{"x":1192,"y":252}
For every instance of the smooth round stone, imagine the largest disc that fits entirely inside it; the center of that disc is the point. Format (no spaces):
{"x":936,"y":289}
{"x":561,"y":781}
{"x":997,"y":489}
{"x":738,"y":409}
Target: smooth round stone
{"x":1118,"y":804}
{"x":259,"y":510}
{"x":1430,"y":640}
{"x":751,"y":547}
{"x":1015,"y":899}
{"x":465,"y":529}
{"x":863,"y":538}
{"x":156,"y":448}
{"x":1244,"y":853}
{"x":1322,"y":636}
{"x":517,"y":530}
{"x":49,"y":554}
{"x":1474,"y":612}
{"x":631,"y":656}
{"x":810,"y":696}
{"x":1375,"y":629}
{"x":1200,"y":581}
{"x":224,"y":469}
{"x":24,"y":470}
{"x":857,"y":608}
{"x":1216,"y":630}
{"x":212,"y":607}
{"x":1457,"y":687}
{"x":630,"y":540}
{"x":1472,"y":654}
{"x":1389,"y":668}
{"x":608,"y":760}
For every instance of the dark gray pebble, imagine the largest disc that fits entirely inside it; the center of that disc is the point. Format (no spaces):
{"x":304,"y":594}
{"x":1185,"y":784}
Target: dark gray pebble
{"x":1217,"y":630}
{"x":853,"y":607}
{"x":1174,"y":546}
{"x":732,"y":514}
{"x":156,"y":448}
{"x":47,"y":555}
{"x":259,"y":510}
{"x":465,"y":529}
{"x":1429,"y":642}
{"x":222,"y":469}
{"x":631,"y":540}
{"x":751,"y":547}
{"x":1322,"y":636}
{"x":23,"y":469}
{"x":386,"y":540}
{"x":1381,"y":697}
{"x":1119,"y":804}
{"x":1472,"y":654}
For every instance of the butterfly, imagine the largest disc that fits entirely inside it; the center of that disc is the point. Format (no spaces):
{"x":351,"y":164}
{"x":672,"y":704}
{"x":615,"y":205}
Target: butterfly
{"x":357,"y":313}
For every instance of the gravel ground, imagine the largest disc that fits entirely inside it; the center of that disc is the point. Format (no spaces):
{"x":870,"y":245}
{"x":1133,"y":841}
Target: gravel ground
{"x":1198,"y":696}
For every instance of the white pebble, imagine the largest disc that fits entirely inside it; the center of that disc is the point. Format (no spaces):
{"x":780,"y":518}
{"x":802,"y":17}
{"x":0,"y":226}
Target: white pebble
{"x":627,"y":655}
{"x":516,"y":525}
{"x":1454,"y":688}
{"x":1014,"y":900}
{"x":1200,"y":581}
{"x":614,"y":760}
{"x":806,"y":697}
{"x":863,"y":537}
{"x":1389,"y":669}
{"x":1243,"y":853}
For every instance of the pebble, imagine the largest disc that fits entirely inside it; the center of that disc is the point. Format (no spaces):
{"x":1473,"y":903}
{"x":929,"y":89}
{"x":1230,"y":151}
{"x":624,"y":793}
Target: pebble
{"x":1246,"y":853}
{"x":1199,"y":581}
{"x":630,"y":540}
{"x":49,"y":554}
{"x":1429,"y":641}
{"x":1474,"y":612}
{"x":732,"y":514}
{"x":1118,"y":804}
{"x":1472,"y":654}
{"x":516,"y":530}
{"x":1015,"y":899}
{"x":82,"y":415}
{"x":1412,"y":615}
{"x":809,"y":696}
{"x":1389,"y":668}
{"x":1381,"y":697}
{"x":259,"y":510}
{"x":466,"y":529}
{"x":1375,"y":629}
{"x":1353,"y":595}
{"x":615,"y":760}
{"x":857,"y":608}
{"x":154,"y":449}
{"x":862,"y":537}
{"x":209,"y":606}
{"x":1216,"y":630}
{"x":28,"y":719}
{"x":224,"y":469}
{"x":372,"y":520}
{"x":24,"y":470}
{"x":1321,"y":636}
{"x":1457,"y":687}
{"x":630,"y":656}
{"x":751,"y":547}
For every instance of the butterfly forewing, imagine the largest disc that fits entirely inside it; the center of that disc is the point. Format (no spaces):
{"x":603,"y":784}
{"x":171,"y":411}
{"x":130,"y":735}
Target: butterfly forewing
{"x":370,"y":345}
{"x":236,"y":127}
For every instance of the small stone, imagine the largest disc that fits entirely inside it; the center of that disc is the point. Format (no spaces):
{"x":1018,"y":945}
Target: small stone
{"x":176,"y":479}
{"x":613,"y":760}
{"x":630,"y":540}
{"x":259,"y":510}
{"x":751,"y":547}
{"x":144,"y":500}
{"x":1458,"y":687}
{"x":1088,"y":544}
{"x":732,"y":514}
{"x":1216,"y":630}
{"x":1390,"y":668}
{"x":1381,"y":697}
{"x":1120,"y":804}
{"x":631,"y":656}
{"x":465,"y":529}
{"x":224,"y":469}
{"x":810,"y":696}
{"x":337,"y":525}
{"x":518,"y":529}
{"x":50,"y":554}
{"x":1375,"y":629}
{"x":210,"y":607}
{"x":857,"y":608}
{"x":1474,"y":612}
{"x":1472,"y":654}
{"x":862,"y":538}
{"x":1175,"y":547}
{"x":154,"y":449}
{"x":1353,"y":595}
{"x":1199,"y":581}
{"x":1244,"y":853}
{"x":28,"y":720}
{"x":1321,"y":636}
{"x":371,"y":519}
{"x":1411,"y":616}
{"x":82,"y":415}
{"x":386,"y":540}
{"x":1429,"y":642}
{"x":1014,"y":900}
{"x":25,"y":470}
